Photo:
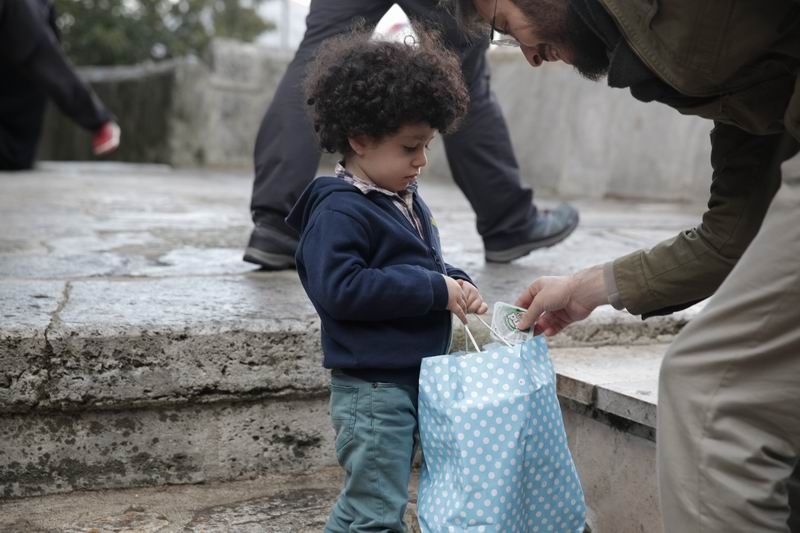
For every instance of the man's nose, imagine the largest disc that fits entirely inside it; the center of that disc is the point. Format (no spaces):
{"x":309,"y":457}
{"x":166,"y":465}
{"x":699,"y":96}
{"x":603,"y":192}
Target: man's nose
{"x":532,"y":55}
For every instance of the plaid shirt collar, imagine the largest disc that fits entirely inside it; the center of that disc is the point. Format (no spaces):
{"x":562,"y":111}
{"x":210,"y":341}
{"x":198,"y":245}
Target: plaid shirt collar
{"x":405,"y":196}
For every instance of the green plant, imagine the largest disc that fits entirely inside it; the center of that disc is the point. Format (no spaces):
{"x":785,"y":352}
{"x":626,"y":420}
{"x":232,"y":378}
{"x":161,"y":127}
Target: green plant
{"x":118,"y":32}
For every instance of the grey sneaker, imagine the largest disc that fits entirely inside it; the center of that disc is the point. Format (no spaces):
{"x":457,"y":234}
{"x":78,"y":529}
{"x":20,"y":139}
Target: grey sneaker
{"x":551,"y":228}
{"x":270,"y":248}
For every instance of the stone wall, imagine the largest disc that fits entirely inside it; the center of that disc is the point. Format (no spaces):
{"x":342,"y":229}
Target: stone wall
{"x":573,"y":138}
{"x":142,"y":98}
{"x":185,"y":112}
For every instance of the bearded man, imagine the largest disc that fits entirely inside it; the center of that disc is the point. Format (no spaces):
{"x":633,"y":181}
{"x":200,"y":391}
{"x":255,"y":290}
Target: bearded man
{"x":729,"y":390}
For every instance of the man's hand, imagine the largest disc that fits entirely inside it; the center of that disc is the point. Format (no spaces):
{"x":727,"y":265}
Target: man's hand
{"x":475,"y":303}
{"x":456,"y":299}
{"x":554,"y":302}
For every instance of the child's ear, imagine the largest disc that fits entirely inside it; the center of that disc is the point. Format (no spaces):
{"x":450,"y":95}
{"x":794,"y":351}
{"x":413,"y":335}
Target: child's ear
{"x":358,"y":144}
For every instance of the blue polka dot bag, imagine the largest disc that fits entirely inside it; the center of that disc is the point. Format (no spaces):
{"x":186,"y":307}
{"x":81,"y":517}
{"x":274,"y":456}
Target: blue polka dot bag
{"x":495,"y":451}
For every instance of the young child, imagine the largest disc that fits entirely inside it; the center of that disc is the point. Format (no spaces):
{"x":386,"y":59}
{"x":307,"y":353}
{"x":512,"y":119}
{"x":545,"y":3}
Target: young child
{"x":370,"y":259}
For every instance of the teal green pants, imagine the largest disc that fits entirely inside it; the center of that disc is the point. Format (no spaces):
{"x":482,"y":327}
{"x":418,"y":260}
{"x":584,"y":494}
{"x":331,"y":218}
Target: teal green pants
{"x":376,"y":436}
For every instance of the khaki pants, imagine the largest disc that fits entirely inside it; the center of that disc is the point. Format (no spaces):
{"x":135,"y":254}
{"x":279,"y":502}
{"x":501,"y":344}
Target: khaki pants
{"x":729,"y":394}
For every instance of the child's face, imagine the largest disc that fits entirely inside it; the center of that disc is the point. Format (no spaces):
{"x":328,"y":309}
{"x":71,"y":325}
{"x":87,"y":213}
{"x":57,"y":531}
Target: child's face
{"x":393,"y":162}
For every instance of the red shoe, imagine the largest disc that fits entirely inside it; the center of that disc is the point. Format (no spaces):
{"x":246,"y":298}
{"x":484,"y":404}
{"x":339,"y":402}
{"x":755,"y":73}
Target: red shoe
{"x":106,"y":139}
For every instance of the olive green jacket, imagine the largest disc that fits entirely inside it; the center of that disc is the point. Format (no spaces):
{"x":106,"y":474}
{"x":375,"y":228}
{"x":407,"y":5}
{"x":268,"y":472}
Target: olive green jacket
{"x":743,"y":57}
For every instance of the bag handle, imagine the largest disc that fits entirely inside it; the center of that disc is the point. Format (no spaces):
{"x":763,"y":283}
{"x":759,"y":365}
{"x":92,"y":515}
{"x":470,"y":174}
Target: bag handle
{"x":497,"y":334}
{"x":472,"y":338}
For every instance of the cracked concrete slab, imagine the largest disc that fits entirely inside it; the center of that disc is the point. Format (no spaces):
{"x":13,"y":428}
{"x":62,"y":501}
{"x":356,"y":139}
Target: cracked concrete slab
{"x":133,"y":342}
{"x":26,"y":309}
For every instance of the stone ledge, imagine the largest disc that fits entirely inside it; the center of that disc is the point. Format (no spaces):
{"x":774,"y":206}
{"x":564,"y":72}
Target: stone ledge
{"x":616,"y":380}
{"x":128,"y":343}
{"x":94,"y":346}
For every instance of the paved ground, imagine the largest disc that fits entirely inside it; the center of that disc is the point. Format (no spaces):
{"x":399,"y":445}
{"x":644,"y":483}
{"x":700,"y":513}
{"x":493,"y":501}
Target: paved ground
{"x":79,"y":221}
{"x":86,"y":243}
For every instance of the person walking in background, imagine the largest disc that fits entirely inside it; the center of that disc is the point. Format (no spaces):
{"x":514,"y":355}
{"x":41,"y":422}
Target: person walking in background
{"x":480,"y":155}
{"x":729,"y":389}
{"x":34,"y":69}
{"x":370,"y":259}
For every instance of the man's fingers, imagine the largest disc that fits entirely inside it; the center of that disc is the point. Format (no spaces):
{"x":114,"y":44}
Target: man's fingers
{"x":550,"y":324}
{"x":542,"y":325}
{"x":525,"y":299}
{"x":531,"y":315}
{"x":528,"y":300}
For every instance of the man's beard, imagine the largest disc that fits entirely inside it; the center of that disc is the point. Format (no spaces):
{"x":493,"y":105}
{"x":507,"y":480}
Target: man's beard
{"x":589,"y":56}
{"x":588,"y":51}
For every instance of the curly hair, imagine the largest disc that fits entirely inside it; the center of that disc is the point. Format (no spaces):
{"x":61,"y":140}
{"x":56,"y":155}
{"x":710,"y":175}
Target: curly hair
{"x":359,"y":86}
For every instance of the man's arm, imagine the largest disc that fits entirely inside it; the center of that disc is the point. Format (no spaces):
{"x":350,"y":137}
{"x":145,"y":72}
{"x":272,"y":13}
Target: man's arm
{"x":690,"y":266}
{"x":686,"y":268}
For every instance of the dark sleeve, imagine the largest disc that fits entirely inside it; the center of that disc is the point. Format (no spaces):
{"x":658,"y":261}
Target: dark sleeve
{"x":51,"y":18}
{"x":338,"y":279}
{"x":690,"y":266}
{"x":28,"y":42}
{"x":22,"y":29}
{"x":457,"y":273}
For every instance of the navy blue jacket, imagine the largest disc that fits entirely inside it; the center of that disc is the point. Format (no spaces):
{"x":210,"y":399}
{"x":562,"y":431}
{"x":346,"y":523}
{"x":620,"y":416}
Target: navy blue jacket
{"x":377,"y":286}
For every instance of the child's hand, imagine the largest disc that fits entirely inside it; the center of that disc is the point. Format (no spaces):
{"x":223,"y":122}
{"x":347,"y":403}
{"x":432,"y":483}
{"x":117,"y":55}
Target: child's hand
{"x":475,"y":303}
{"x":456,"y":299}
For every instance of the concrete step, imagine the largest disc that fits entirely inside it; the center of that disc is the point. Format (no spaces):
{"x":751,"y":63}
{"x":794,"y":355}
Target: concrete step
{"x":608,"y":398}
{"x":137,"y":349}
{"x":275,"y":503}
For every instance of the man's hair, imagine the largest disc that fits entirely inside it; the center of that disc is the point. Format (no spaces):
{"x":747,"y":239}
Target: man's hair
{"x":359,"y":86}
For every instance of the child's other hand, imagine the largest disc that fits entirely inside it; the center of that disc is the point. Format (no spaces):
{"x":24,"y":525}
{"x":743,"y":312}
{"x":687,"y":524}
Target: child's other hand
{"x":456,"y":299}
{"x":475,"y":303}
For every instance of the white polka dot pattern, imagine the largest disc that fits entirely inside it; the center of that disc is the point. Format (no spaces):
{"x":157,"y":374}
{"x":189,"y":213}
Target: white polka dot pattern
{"x":495,"y":449}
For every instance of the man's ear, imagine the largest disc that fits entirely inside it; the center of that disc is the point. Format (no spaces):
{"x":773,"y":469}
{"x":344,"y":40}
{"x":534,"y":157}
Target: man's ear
{"x":358,"y":144}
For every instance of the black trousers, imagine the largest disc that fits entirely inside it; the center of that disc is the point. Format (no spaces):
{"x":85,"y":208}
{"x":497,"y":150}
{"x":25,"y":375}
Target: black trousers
{"x":480,"y":155}
{"x":33,"y":69}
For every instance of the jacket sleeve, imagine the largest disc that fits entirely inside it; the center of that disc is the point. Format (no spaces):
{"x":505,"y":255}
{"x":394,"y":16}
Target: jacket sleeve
{"x":21,"y":31}
{"x":457,"y":273}
{"x":690,"y":266}
{"x":332,"y":256}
